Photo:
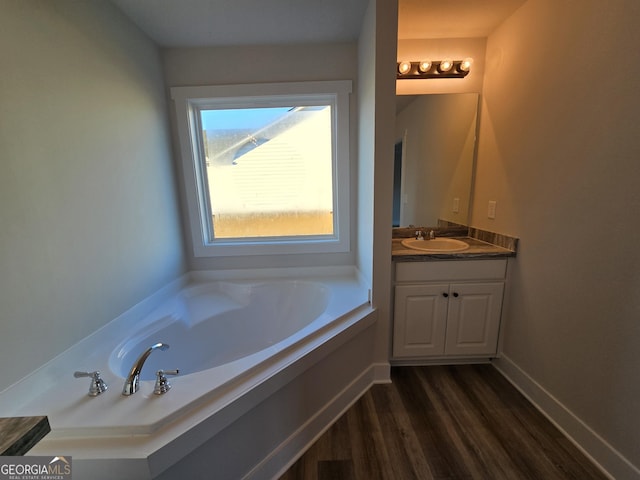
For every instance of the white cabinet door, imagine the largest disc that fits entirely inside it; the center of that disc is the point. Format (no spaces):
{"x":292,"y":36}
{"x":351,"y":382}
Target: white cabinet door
{"x":420,"y":320}
{"x":473,"y":321}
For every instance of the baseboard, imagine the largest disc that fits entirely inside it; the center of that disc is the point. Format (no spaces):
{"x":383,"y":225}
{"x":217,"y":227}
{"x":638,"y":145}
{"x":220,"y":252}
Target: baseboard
{"x":288,"y":452}
{"x":381,"y":372}
{"x":612,"y":463}
{"x":424,"y":362}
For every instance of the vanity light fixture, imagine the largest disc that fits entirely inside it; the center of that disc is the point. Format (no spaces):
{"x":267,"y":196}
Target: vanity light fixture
{"x":446,"y":68}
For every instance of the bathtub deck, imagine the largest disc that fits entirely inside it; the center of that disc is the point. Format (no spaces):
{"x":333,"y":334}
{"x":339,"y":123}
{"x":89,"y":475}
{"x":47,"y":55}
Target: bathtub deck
{"x":462,"y":422}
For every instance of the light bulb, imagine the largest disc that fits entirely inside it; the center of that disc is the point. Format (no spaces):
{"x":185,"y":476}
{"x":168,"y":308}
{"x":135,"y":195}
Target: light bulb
{"x":446,"y":65}
{"x":404,"y":67}
{"x":465,"y":66}
{"x":425,"y":66}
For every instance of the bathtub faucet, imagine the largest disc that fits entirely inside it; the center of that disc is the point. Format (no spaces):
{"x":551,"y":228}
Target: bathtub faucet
{"x":133,"y":379}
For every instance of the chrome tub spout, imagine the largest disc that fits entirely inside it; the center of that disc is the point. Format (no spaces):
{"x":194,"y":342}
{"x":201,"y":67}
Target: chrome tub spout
{"x":132,"y":383}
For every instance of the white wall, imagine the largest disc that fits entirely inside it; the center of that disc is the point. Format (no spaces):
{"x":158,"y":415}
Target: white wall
{"x":87,"y":202}
{"x":559,"y":151}
{"x":267,"y":64}
{"x":376,"y":113}
{"x":366,"y":144}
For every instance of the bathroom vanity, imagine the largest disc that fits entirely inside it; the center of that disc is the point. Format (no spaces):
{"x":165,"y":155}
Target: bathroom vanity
{"x":447,"y":306}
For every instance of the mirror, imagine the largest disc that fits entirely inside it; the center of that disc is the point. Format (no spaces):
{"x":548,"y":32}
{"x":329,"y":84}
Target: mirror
{"x":434,"y":158}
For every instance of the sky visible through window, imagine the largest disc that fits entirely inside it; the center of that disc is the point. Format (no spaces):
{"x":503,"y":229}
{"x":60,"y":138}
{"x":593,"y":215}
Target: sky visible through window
{"x":241,"y":118}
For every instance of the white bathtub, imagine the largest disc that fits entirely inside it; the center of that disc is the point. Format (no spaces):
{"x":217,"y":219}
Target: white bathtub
{"x":214,"y":323}
{"x":227,"y":335}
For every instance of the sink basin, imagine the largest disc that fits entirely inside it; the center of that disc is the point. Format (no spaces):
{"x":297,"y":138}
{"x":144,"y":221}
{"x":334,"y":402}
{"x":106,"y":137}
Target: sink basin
{"x":437,"y":245}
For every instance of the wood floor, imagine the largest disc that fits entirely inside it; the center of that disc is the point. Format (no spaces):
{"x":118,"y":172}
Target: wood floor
{"x":443,"y":422}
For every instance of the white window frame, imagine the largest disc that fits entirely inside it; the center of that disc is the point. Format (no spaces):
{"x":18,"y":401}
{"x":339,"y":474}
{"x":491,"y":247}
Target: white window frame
{"x":188,"y":103}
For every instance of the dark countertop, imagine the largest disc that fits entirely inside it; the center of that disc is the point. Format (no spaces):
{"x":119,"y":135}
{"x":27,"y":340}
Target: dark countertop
{"x":19,"y":434}
{"x":477,"y":250}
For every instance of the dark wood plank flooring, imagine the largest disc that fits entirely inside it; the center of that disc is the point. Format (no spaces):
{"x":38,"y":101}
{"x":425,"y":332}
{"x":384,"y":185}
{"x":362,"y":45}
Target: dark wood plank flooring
{"x":443,"y":422}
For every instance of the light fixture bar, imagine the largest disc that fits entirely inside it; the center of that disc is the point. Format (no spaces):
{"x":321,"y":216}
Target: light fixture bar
{"x":406,"y":70}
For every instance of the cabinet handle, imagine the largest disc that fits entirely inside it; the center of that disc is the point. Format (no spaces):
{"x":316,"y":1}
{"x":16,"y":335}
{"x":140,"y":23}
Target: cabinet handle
{"x":445,"y":294}
{"x":455,"y":294}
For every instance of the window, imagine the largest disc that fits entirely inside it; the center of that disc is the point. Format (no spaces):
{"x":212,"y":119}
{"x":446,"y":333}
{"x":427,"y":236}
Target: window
{"x":266,"y":167}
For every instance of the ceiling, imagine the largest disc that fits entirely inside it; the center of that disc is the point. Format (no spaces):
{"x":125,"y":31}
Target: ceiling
{"x":199,"y":23}
{"x":418,"y":19}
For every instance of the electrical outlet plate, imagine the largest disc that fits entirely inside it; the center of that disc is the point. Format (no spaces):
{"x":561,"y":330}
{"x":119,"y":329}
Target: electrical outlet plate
{"x":491,"y":211}
{"x":456,"y":205}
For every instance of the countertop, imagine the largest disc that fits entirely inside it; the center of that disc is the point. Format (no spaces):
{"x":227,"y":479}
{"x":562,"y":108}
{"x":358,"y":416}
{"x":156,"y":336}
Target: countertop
{"x":477,"y":250}
{"x":19,"y":434}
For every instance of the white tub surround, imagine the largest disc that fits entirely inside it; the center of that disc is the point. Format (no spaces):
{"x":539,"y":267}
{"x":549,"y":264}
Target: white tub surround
{"x":142,"y":435}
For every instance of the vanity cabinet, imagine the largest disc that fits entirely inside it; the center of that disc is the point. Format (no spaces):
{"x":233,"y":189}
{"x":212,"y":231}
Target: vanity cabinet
{"x":448,"y":308}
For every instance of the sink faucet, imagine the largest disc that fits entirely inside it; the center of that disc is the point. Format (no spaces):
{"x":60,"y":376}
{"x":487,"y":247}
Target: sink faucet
{"x":133,"y":379}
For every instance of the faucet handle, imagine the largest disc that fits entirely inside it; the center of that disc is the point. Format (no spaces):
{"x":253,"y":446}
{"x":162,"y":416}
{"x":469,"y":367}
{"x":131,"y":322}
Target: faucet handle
{"x":162,"y":384}
{"x":97,"y":385}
